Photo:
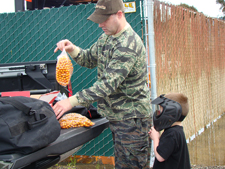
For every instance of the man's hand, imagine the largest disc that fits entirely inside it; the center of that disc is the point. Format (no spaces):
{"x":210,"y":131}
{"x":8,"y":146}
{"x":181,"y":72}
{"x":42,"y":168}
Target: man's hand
{"x":61,"y":107}
{"x":65,"y":44}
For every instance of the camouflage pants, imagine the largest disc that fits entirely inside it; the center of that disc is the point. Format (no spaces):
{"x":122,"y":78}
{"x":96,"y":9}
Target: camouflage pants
{"x":132,"y":144}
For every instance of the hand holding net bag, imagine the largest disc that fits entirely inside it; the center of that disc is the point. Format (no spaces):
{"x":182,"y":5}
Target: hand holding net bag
{"x":64,"y":69}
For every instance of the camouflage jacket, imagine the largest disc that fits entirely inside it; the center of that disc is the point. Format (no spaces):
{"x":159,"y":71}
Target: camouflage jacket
{"x":121,"y":90}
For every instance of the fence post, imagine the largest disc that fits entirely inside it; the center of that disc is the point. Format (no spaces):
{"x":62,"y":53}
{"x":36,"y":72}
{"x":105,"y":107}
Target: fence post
{"x":150,"y":46}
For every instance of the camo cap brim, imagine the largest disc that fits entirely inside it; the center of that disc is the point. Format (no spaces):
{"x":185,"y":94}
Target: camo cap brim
{"x":105,"y":8}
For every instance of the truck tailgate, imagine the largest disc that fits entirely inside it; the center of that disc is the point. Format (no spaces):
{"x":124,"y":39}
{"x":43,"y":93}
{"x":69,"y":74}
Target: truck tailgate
{"x":62,"y":147}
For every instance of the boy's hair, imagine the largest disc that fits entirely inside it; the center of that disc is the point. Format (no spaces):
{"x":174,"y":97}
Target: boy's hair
{"x":180,"y":98}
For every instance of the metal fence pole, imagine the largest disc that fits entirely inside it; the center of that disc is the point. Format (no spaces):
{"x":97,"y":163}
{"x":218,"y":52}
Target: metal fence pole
{"x":150,"y":46}
{"x":151,"y":42}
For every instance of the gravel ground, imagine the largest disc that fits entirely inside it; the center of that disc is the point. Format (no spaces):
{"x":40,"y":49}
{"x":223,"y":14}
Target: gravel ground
{"x":92,"y":166}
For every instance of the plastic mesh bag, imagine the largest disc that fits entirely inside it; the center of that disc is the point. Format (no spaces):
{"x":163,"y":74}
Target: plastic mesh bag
{"x":64,"y":69}
{"x":74,"y":120}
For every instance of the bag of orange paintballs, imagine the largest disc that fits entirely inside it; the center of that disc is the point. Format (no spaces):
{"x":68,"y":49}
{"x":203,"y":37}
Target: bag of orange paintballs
{"x":64,"y":69}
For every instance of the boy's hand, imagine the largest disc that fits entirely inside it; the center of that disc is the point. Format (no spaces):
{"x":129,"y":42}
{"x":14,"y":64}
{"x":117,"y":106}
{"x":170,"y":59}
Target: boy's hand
{"x":154,"y":135}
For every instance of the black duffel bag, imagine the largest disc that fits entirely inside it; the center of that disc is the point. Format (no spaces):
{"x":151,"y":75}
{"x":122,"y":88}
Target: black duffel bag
{"x":26,"y":125}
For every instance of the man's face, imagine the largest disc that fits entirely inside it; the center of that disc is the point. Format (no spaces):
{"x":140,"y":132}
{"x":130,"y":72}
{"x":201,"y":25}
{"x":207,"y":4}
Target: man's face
{"x":111,"y":25}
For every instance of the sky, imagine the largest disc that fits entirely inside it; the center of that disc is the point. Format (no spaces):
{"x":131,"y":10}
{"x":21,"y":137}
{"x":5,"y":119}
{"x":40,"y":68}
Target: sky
{"x":7,"y":6}
{"x":207,"y":7}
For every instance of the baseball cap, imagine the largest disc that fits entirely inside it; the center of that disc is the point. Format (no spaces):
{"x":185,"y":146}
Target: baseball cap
{"x":105,"y":8}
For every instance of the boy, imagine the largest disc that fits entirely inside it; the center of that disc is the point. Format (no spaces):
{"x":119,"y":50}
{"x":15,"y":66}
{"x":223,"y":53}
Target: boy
{"x":171,"y":151}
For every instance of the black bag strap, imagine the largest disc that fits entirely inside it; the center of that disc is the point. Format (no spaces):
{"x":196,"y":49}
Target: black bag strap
{"x":17,"y":104}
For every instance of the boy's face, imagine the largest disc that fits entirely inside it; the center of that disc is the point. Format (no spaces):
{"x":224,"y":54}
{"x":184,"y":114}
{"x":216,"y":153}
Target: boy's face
{"x":159,"y":110}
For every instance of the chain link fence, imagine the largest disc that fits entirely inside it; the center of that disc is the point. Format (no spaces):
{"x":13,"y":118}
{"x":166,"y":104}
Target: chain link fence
{"x":190,"y":58}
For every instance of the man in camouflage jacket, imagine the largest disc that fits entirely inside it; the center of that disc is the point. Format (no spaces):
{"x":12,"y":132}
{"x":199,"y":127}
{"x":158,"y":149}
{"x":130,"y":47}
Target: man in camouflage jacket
{"x":121,"y":91}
